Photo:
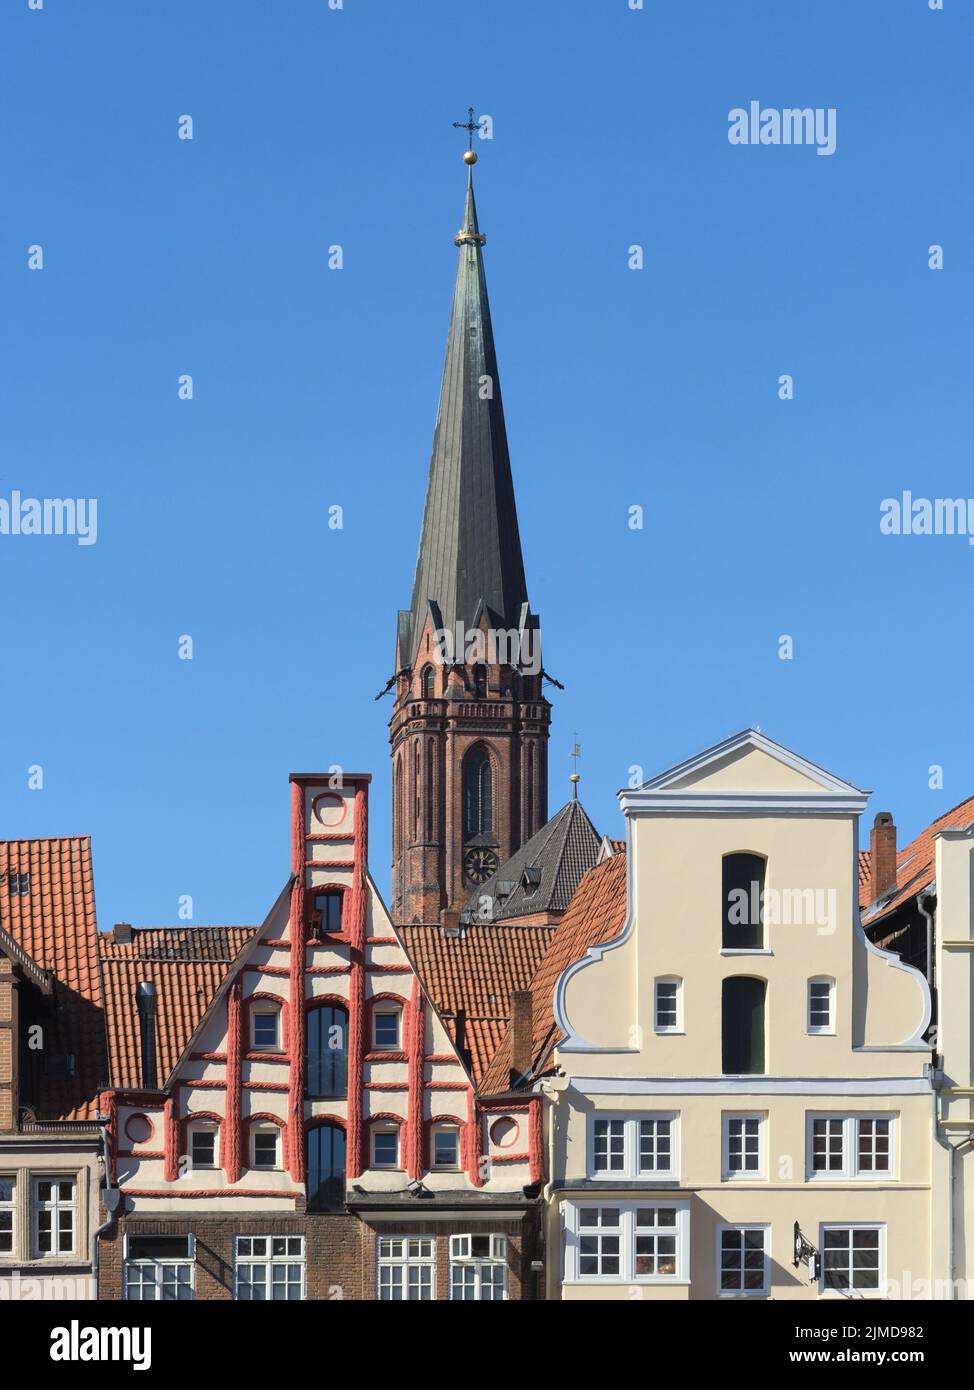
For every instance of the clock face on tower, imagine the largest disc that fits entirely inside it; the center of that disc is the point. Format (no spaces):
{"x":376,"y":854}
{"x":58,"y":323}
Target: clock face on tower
{"x":479,"y":864}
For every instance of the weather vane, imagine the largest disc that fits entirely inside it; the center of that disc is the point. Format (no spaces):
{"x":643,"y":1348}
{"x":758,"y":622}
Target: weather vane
{"x":575,"y":754}
{"x":469,"y":125}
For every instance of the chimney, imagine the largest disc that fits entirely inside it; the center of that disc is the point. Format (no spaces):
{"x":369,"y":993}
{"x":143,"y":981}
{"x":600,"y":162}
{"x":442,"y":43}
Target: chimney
{"x":145,"y":999}
{"x":122,"y":933}
{"x":522,"y":1034}
{"x":882,"y":856}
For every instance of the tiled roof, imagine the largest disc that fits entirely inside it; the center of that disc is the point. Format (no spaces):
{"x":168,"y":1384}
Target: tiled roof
{"x":563,"y":850}
{"x":474,"y":969}
{"x":187,"y":965}
{"x":597,"y":914}
{"x":54,"y":924}
{"x":916,"y":862}
{"x":865,"y":876}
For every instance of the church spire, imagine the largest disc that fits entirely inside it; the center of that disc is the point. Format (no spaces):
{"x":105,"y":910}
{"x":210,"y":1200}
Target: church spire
{"x":470,"y":548}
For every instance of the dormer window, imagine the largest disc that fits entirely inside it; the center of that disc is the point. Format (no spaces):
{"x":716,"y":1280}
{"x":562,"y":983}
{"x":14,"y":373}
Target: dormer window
{"x":531,"y":880}
{"x":504,"y":889}
{"x":19,"y":885}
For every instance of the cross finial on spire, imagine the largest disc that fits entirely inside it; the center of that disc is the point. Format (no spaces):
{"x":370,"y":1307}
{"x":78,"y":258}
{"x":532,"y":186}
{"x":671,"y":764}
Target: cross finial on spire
{"x":575,"y":754}
{"x":468,"y":125}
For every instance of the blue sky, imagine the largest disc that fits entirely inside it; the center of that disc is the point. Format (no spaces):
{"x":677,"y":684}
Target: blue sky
{"x":312,"y":387}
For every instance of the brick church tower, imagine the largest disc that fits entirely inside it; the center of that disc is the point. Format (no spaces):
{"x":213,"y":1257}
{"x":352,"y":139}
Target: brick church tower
{"x":469,"y":730}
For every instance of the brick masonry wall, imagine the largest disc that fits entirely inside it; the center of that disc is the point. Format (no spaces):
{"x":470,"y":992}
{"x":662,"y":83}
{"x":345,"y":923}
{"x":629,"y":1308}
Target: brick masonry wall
{"x":340,"y":1250}
{"x":6,"y":1046}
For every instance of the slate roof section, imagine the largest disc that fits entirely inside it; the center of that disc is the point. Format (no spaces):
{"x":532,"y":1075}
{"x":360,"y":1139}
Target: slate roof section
{"x":564,"y":850}
{"x":470,"y":548}
{"x":597,"y":914}
{"x":916,"y":862}
{"x":53,"y":923}
{"x":471,"y":971}
{"x":187,"y":965}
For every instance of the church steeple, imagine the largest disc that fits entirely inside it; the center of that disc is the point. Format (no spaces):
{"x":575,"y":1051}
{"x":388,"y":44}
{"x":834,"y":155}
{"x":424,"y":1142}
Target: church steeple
{"x":470,"y":726}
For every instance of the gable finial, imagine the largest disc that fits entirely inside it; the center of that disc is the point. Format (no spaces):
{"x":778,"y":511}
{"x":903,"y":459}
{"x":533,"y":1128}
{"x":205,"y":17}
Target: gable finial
{"x":574,"y":776}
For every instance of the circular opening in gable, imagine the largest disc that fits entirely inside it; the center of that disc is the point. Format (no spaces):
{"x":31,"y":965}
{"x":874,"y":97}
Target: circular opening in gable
{"x":504,"y":1132}
{"x":138,"y":1129}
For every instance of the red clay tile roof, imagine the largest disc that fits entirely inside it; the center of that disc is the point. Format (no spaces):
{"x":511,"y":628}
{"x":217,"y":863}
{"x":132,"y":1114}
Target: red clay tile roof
{"x":474,"y":969}
{"x":597,"y":914}
{"x":187,"y":966}
{"x":54,"y":923}
{"x":916,"y":863}
{"x":865,"y":876}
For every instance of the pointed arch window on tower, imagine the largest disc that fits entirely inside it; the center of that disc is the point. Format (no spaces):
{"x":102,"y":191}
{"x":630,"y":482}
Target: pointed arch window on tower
{"x":428,"y":683}
{"x":478,"y":793}
{"x":417,"y":785}
{"x":480,"y":681}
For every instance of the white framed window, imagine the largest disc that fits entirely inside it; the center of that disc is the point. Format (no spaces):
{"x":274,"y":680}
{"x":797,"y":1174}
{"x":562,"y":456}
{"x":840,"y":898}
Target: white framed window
{"x":268,"y":1268}
{"x":385,"y":1146}
{"x":742,"y":1261}
{"x":386,"y":1028}
{"x":8,"y":1214}
{"x":853,"y":1259}
{"x":627,"y":1242}
{"x":203,"y":1145}
{"x":851,"y":1146}
{"x":54,"y":1216}
{"x":478,"y":1268}
{"x":160,"y":1268}
{"x":668,"y":1004}
{"x":743,"y":1146}
{"x":445,"y":1145}
{"x":265,"y":1146}
{"x":634,"y":1146}
{"x":265,"y":1027}
{"x":821,"y":1005}
{"x":407,"y":1268}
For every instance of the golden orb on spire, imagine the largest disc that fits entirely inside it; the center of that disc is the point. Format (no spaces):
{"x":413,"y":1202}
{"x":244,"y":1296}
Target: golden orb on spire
{"x":470,"y":156}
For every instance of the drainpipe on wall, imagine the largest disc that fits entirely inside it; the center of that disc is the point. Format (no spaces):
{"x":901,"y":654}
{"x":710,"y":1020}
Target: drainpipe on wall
{"x":113,"y":1202}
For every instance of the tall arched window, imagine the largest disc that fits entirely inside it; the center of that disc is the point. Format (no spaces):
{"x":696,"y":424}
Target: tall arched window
{"x":480,"y":681}
{"x":325,"y":1151}
{"x":742,"y":904}
{"x":742,"y":1026}
{"x":417,"y":788}
{"x":530,"y":791}
{"x":428,"y":682}
{"x":400,"y":808}
{"x":327,"y":1042}
{"x":478,"y":792}
{"x":430,"y":787}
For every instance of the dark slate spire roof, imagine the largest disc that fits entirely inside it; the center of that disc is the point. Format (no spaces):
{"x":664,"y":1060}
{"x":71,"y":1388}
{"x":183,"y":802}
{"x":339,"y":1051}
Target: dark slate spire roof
{"x":469,"y":549}
{"x":544,"y":873}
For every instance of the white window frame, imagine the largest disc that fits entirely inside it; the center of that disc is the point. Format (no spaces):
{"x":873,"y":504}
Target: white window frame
{"x":386,"y":1007}
{"x":386,"y":1128}
{"x":850,"y":1170}
{"x":677,"y":1026}
{"x":464,"y":1260}
{"x":265,"y":1007}
{"x":632,"y":1146}
{"x":765,"y":1289}
{"x":627,"y":1243}
{"x":444,"y":1128}
{"x":824,"y":1287}
{"x":55,"y":1206}
{"x":817,"y":1029}
{"x":9,"y":1208}
{"x":745,"y":1174}
{"x":243,"y":1259}
{"x":406,"y":1260}
{"x":262,"y":1129}
{"x":188,"y":1260}
{"x":205,"y":1127}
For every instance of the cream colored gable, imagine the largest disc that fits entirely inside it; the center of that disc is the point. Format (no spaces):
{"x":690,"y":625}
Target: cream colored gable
{"x":747,"y":769}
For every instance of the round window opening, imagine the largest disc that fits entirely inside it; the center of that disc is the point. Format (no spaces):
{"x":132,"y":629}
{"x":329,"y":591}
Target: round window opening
{"x":138,"y":1128}
{"x":329,"y":809}
{"x":503,"y":1132}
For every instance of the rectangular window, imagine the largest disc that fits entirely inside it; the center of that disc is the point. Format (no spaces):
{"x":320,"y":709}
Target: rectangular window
{"x":742,"y":1260}
{"x":407,"y":1268}
{"x":852,"y":1258}
{"x":385,"y":1148}
{"x":54,"y":1218}
{"x":18,"y":885}
{"x":667,"y":1006}
{"x":851,"y":1146}
{"x":446,"y":1148}
{"x":265,"y":1148}
{"x":478,"y":1267}
{"x":385,"y":1030}
{"x":265,"y":1030}
{"x":820,"y":1006}
{"x":8,"y":1207}
{"x":328,"y":913}
{"x":159,"y":1268}
{"x":268,"y":1268}
{"x":626,"y":1242}
{"x":202,"y":1148}
{"x":634,"y":1146}
{"x":743,"y":1149}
